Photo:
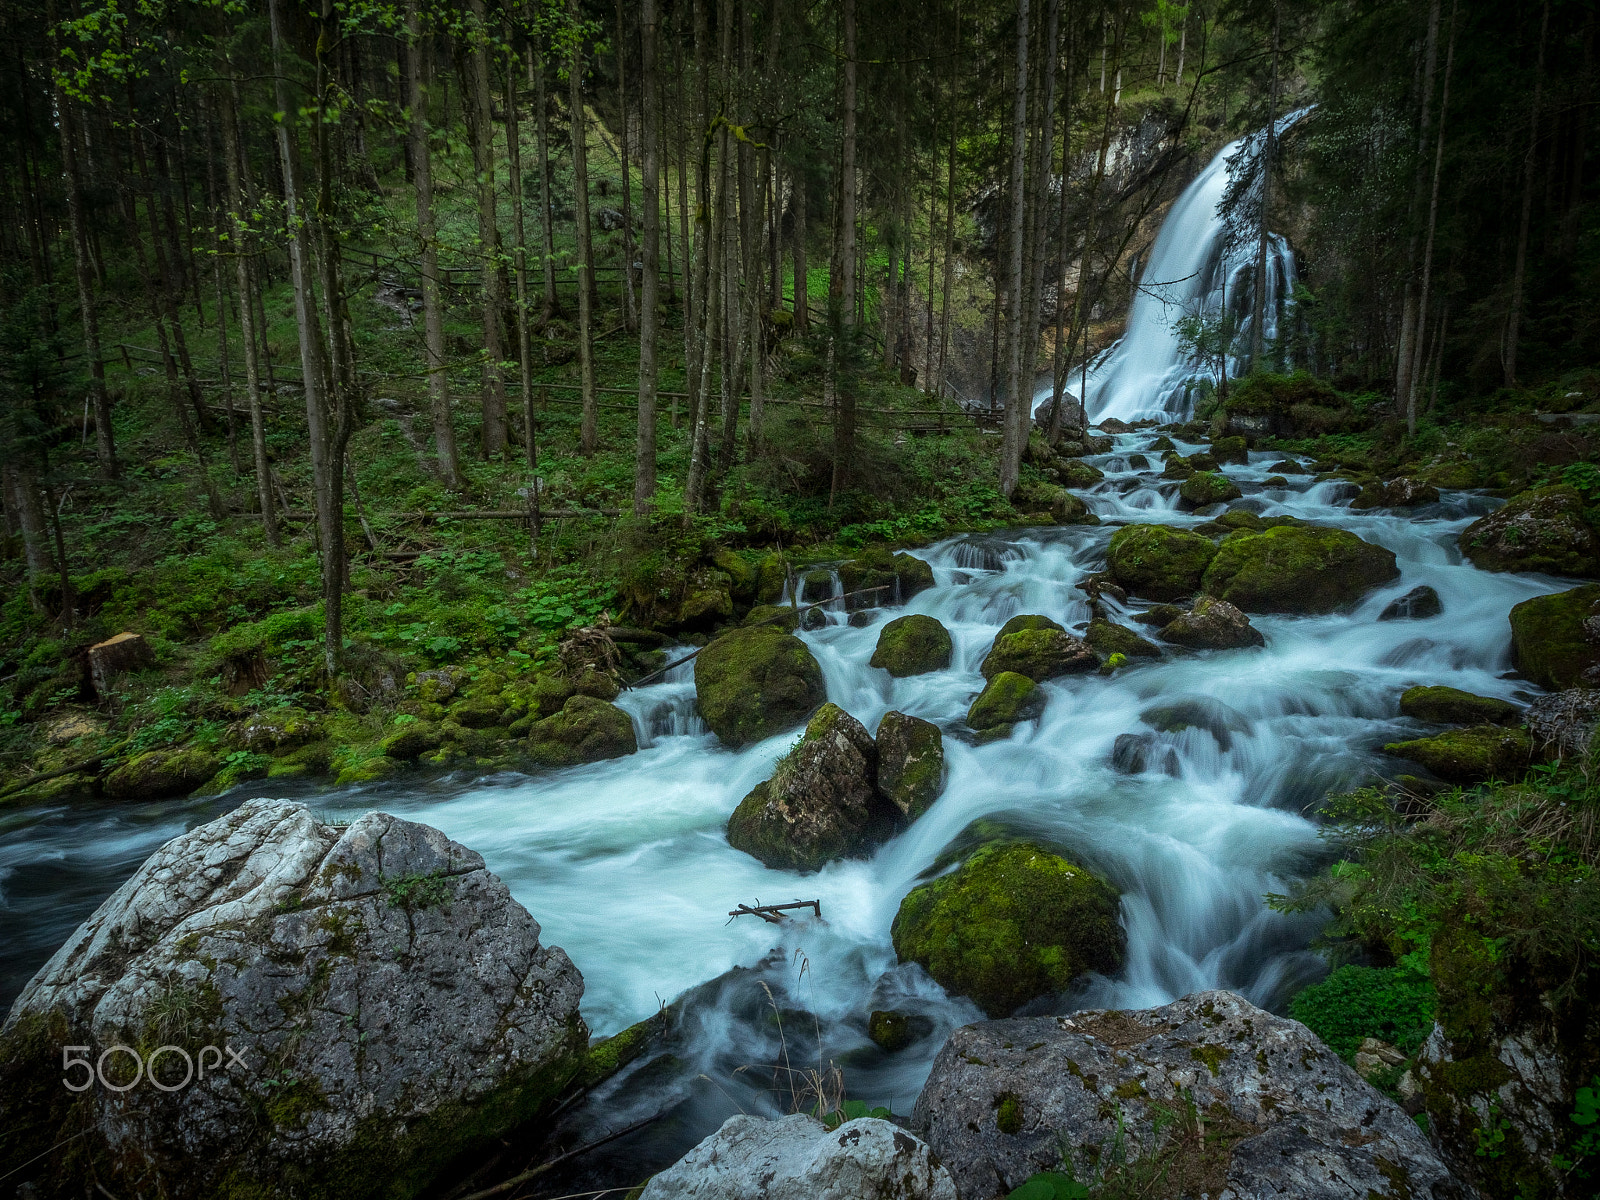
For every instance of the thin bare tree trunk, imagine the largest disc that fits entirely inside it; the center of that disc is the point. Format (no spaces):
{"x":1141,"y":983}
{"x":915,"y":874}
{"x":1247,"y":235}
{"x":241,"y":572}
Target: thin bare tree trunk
{"x":706,"y":299}
{"x":1258,"y":317}
{"x":843,"y":318}
{"x":1514,"y":318}
{"x":589,"y":424}
{"x":1406,"y":357}
{"x":950,"y":208}
{"x":630,"y":318}
{"x":691,"y":301}
{"x":481,"y":127}
{"x":552,"y":304}
{"x":644,"y":468}
{"x":1410,"y":395}
{"x":1015,"y":430}
{"x":520,"y":251}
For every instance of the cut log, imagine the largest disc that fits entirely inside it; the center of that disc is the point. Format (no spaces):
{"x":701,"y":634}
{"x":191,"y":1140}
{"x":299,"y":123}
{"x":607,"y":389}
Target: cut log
{"x":111,"y":659}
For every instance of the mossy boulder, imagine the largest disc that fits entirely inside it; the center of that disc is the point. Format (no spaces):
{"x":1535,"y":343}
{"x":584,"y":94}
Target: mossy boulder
{"x":1540,"y":530}
{"x":752,"y":683}
{"x":1470,"y":755}
{"x":900,"y":575}
{"x":586,"y":730}
{"x":236,"y":769}
{"x":779,"y":616}
{"x":1038,"y":653}
{"x":772,"y":576}
{"x":157,"y":774}
{"x":1212,"y":624}
{"x":1452,"y":706}
{"x":274,"y":730}
{"x":1109,"y":638}
{"x":1013,"y":923}
{"x":478,"y":712}
{"x":707,"y":599}
{"x":549,"y":695}
{"x":1205,"y":488}
{"x":822,"y":802}
{"x":369,"y":768}
{"x":910,"y":763}
{"x":1551,"y":639}
{"x":412,"y":739}
{"x":912,"y":645}
{"x":1158,"y":561}
{"x":1075,"y":473}
{"x":1287,"y":406}
{"x":743,"y":575}
{"x":1007,"y":699}
{"x":1068,"y":509}
{"x":1297,"y":569}
{"x":1231,"y":450}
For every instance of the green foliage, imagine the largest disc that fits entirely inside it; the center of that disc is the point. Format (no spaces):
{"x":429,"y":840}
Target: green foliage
{"x":417,"y":891}
{"x":1050,"y":1185}
{"x":852,"y":1110}
{"x":1391,"y":1004}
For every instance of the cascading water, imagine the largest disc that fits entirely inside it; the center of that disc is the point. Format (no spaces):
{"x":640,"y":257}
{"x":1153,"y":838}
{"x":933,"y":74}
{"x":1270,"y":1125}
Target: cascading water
{"x":1195,"y":269}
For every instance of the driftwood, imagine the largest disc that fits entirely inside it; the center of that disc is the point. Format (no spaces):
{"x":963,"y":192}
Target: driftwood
{"x":771,"y":912}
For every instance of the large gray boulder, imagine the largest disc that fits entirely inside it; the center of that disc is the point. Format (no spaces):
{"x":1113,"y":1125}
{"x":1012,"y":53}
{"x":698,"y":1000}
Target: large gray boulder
{"x":797,"y":1158}
{"x":378,"y":1002}
{"x":1238,"y":1102}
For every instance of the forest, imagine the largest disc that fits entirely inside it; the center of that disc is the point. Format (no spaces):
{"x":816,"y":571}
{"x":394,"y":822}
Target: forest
{"x":1161,"y":438}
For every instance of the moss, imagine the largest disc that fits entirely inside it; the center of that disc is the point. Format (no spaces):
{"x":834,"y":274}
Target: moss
{"x":912,"y":645}
{"x":478,"y":712}
{"x":1109,"y":638}
{"x":893,"y":1031}
{"x":772,"y":574}
{"x":1548,"y":640}
{"x":609,"y":1055}
{"x":1541,"y":530}
{"x":1470,"y":755}
{"x":411,"y":740}
{"x":585,"y":730}
{"x":707,"y":599}
{"x":743,"y":575}
{"x":1212,"y":1055}
{"x":1039,"y":654}
{"x":290,"y":1106}
{"x":1159,"y":562}
{"x":779,"y":616}
{"x":1355,"y":1003}
{"x":1205,"y":488}
{"x":1452,"y":706}
{"x":753,"y":683}
{"x":240,"y":767}
{"x":1296,"y":569}
{"x":910,"y":763}
{"x":1230,"y":450}
{"x":1007,"y":699}
{"x":1024,"y":621}
{"x":1011,"y":924}
{"x":157,"y":774}
{"x":1008,"y":1113}
{"x":370,"y":770}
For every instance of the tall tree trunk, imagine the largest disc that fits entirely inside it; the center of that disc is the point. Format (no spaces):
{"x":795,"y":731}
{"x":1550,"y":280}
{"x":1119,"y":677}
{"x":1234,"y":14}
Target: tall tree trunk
{"x":691,"y":301}
{"x":797,"y":253}
{"x":707,"y":307}
{"x":1038,"y":238}
{"x":1406,"y":357}
{"x":1258,"y":316}
{"x":1409,"y":396}
{"x":1015,"y":429}
{"x":1514,"y":318}
{"x":843,"y":318}
{"x":520,"y":251}
{"x":476,"y":104}
{"x":541,"y":101}
{"x":644,"y":467}
{"x":589,"y":424}
{"x":416,"y":82}
{"x":24,"y":491}
{"x":630,"y":319}
{"x":950,"y":207}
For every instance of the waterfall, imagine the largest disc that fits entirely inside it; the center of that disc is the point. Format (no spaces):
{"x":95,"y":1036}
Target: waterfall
{"x":1194,"y":269}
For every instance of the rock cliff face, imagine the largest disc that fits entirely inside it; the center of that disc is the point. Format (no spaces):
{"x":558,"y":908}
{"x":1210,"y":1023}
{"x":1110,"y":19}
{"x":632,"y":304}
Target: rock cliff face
{"x":378,"y":1001}
{"x":1211,"y":1093}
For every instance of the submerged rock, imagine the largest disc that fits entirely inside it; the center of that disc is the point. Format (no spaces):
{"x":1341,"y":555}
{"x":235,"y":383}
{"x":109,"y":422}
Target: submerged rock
{"x":157,"y":774}
{"x":1540,"y":530}
{"x":899,"y":575}
{"x":1555,"y":640}
{"x":1158,"y":561}
{"x":1396,"y":493}
{"x":821,"y":803}
{"x":1212,"y":624}
{"x":385,"y":1005}
{"x":910,"y":763}
{"x":586,"y":730}
{"x":1197,"y":712}
{"x":1013,"y":923}
{"x":1110,"y":638}
{"x":912,"y":645}
{"x":1452,"y":706}
{"x":1471,"y":755}
{"x":755,"y":682}
{"x":1271,"y":1111}
{"x":1038,"y":648}
{"x":1416,"y":605}
{"x":1297,"y":569}
{"x":798,"y":1158}
{"x":1007,"y":699}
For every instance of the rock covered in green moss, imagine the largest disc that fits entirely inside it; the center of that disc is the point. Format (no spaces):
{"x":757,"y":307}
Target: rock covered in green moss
{"x":707,"y":599}
{"x":1212,"y":624}
{"x":1158,"y":561}
{"x":1297,"y":569}
{"x":912,"y":645}
{"x":1541,"y":530}
{"x":364,"y":767}
{"x":822,"y":802}
{"x":743,"y":575}
{"x":1471,"y":755}
{"x":1075,"y":473}
{"x":779,"y":616}
{"x":1555,"y":639}
{"x":910,"y":763}
{"x":389,"y":1005}
{"x":586,"y":730}
{"x":1007,"y":699}
{"x":478,"y":712}
{"x":899,"y":575}
{"x":1109,"y":638}
{"x":274,"y":730}
{"x":412,"y":739}
{"x":157,"y":774}
{"x":1231,"y":450}
{"x":893,"y":1030}
{"x":1395,"y":493}
{"x":1038,"y":648}
{"x":1452,"y":706}
{"x":755,"y":682}
{"x":1013,"y":923}
{"x":1205,"y":488}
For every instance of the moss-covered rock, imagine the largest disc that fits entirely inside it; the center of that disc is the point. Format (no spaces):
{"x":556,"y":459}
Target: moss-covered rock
{"x":412,"y":739}
{"x":743,"y":575}
{"x":900,"y":575}
{"x":1212,"y":624}
{"x":1013,"y":923}
{"x":586,"y":730}
{"x":1109,"y":638}
{"x":753,"y":683}
{"x":912,"y":645}
{"x":236,"y":769}
{"x":1038,"y":653}
{"x":1231,"y":450}
{"x":779,"y":616}
{"x":1470,"y":755}
{"x":1007,"y":699}
{"x":478,"y":712}
{"x":549,"y":695}
{"x":1075,"y":473}
{"x":822,"y":802}
{"x":158,"y":774}
{"x":1205,"y":488}
{"x":1297,"y":569}
{"x":772,"y":576}
{"x":1551,"y":641}
{"x":274,"y":730}
{"x":707,"y":599}
{"x":1452,"y":706}
{"x":367,"y":769}
{"x":1540,"y":530}
{"x":1070,"y":510}
{"x":910,"y":763}
{"x":1287,"y":406}
{"x":1158,"y":561}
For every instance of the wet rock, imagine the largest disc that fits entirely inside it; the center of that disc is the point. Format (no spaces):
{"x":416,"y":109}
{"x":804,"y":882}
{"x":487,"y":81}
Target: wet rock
{"x":753,"y":683}
{"x":893,"y":1031}
{"x":816,"y":586}
{"x":910,"y":763}
{"x":113,"y":658}
{"x":1564,"y":723}
{"x":822,"y":802}
{"x":1396,"y":493}
{"x":1212,"y":624}
{"x":797,"y":1158}
{"x":1540,"y":530}
{"x":1205,"y":488}
{"x":1231,"y":450}
{"x":1007,"y":699}
{"x":411,"y":740}
{"x":1109,"y":638}
{"x":1013,"y":923}
{"x":274,"y":731}
{"x":435,"y":687}
{"x":1113,"y":425}
{"x":1158,"y":561}
{"x":1274,"y":481}
{"x":1203,"y":461}
{"x":1075,"y":473}
{"x":901,"y":575}
{"x":1177,"y":468}
{"x":157,"y":774}
{"x":586,"y":730}
{"x":1471,"y":755}
{"x":1452,"y":706}
{"x":1288,"y":467}
{"x":479,"y":712}
{"x":387,"y":1006}
{"x":1197,"y":712}
{"x":1416,"y":605}
{"x":1282,"y":1114}
{"x":743,"y":575}
{"x":1297,"y":569}
{"x":912,"y":645}
{"x":1159,"y":616}
{"x":1138,"y":753}
{"x":707,"y":599}
{"x":1038,"y":651}
{"x":1555,"y":639}
{"x":772,"y":576}
{"x":779,"y":616}
{"x":1100,"y":586}
{"x":1162,"y":445}
{"x":1068,"y":509}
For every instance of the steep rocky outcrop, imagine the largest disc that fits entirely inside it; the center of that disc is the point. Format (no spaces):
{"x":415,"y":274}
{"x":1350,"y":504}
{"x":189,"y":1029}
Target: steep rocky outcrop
{"x":1297,"y":569}
{"x":1540,"y":530}
{"x":1210,"y":1093}
{"x":755,"y":682}
{"x":384,"y":1003}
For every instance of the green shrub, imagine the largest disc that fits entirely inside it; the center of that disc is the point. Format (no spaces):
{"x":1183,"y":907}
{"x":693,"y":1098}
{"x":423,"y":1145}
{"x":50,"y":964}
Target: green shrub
{"x":1391,"y":1004}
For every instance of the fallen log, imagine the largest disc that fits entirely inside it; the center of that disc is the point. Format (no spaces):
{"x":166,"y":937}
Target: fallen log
{"x":771,"y":913}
